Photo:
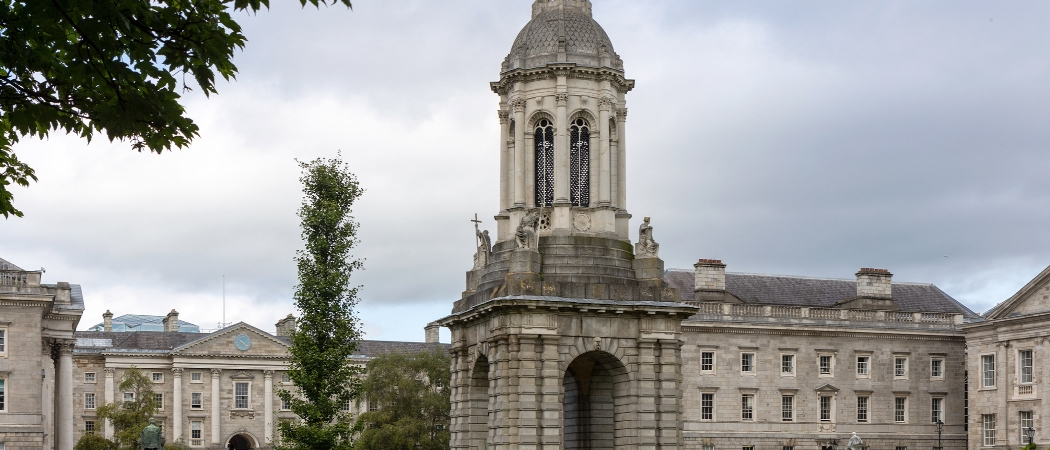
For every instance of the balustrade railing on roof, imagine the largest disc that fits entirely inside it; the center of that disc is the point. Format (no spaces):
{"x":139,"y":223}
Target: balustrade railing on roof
{"x":14,"y":278}
{"x":725,"y":311}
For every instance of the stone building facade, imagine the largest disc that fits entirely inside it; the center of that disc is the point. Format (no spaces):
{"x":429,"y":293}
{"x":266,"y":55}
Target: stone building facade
{"x":37,"y":322}
{"x":1008,"y":359}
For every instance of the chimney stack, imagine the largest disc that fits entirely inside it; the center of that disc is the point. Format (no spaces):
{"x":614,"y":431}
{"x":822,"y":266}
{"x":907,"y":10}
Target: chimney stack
{"x":433,"y":333}
{"x":286,"y":326}
{"x":171,"y":321}
{"x":710,"y":281}
{"x":107,"y":321}
{"x":874,"y":283}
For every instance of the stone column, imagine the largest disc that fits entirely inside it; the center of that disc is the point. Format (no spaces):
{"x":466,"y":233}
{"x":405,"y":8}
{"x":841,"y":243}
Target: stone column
{"x":605,"y":160}
{"x":64,"y":399}
{"x":550,"y":406}
{"x":648,"y":406}
{"x":621,"y":158}
{"x":268,"y":407}
{"x":109,"y":399}
{"x":504,"y":160}
{"x":519,"y":151}
{"x":176,"y":404}
{"x":216,"y":418}
{"x":561,"y":146}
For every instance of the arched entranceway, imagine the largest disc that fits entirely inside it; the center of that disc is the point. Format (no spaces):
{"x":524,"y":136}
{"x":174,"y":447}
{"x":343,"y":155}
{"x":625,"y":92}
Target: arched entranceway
{"x":239,"y":442}
{"x":592,"y":384}
{"x":479,"y":404}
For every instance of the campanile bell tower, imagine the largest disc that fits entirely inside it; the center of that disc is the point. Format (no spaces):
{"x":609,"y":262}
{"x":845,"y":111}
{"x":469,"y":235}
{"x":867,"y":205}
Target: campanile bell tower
{"x":566,"y":336}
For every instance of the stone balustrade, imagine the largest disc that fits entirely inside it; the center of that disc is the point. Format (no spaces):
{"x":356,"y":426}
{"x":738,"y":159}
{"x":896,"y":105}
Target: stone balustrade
{"x":749,"y":313}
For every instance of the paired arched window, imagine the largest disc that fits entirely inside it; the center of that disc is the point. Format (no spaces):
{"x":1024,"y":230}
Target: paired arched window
{"x":580,"y":163}
{"x":544,"y":163}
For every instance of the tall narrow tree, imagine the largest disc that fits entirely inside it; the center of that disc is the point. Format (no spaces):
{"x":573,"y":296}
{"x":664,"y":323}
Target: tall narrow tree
{"x":327,"y":330}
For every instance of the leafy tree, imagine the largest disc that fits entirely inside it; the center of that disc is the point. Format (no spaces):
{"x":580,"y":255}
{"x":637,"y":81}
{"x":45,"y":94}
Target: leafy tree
{"x":130,"y":417}
{"x":411,"y":395}
{"x":93,"y":441}
{"x":113,"y":67}
{"x":328,"y":330}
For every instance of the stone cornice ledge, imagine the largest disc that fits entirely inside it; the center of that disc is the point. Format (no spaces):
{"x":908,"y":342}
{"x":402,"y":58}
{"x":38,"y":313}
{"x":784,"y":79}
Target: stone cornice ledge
{"x":578,"y":304}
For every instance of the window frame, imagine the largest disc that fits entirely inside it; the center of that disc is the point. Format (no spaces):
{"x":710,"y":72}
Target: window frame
{"x":157,"y":377}
{"x":787,"y":407}
{"x":707,"y":410}
{"x":867,"y":357}
{"x":199,"y":396}
{"x":711,"y":368}
{"x":831,"y":365}
{"x":828,"y":410}
{"x":1021,"y":367}
{"x":747,"y":407}
{"x":93,"y":380}
{"x":196,"y":377}
{"x":158,"y":398}
{"x":935,"y":413}
{"x":90,"y":400}
{"x":787,"y":357}
{"x":124,"y":397}
{"x":933,"y":375}
{"x":866,"y":409}
{"x":4,"y":337}
{"x":988,"y":432}
{"x":985,"y":358}
{"x":247,"y":395}
{"x":4,"y":394}
{"x":900,"y":414}
{"x":900,"y":367}
{"x":1021,"y":422}
{"x":199,"y":429}
{"x":89,"y":427}
{"x":286,"y":405}
{"x":754,"y":360}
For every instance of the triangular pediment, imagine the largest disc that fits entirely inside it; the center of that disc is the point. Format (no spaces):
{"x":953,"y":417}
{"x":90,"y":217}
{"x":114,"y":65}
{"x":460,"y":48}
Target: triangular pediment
{"x":5,"y":265}
{"x":1033,"y":298}
{"x":827,"y":388}
{"x":237,"y":340}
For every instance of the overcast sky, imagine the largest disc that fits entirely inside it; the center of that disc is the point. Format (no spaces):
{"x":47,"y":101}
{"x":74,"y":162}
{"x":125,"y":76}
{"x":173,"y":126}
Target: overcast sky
{"x":805,"y":138}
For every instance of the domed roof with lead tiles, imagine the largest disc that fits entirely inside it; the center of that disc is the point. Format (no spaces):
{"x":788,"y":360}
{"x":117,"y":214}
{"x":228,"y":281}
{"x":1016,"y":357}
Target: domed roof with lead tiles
{"x":586,"y":43}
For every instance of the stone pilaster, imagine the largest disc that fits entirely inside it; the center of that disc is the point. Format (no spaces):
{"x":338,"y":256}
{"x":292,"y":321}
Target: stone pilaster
{"x":63,"y":349}
{"x":216,"y":414}
{"x":519,"y":152}
{"x":550,"y":394}
{"x":529,"y":375}
{"x":176,"y":404}
{"x":268,"y":407}
{"x":109,"y":390}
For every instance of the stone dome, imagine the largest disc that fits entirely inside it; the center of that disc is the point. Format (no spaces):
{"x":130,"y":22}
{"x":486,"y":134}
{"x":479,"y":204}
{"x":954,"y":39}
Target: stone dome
{"x":562,"y":34}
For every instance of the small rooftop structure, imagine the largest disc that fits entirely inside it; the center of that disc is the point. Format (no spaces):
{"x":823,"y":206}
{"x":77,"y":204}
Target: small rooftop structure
{"x":138,"y":322}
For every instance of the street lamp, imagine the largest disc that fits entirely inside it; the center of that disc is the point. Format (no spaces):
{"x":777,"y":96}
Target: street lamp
{"x":940,"y":427}
{"x":1030,"y":434}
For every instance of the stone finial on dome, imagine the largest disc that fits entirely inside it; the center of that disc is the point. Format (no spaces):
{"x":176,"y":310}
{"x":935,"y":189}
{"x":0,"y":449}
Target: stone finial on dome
{"x":540,"y":6}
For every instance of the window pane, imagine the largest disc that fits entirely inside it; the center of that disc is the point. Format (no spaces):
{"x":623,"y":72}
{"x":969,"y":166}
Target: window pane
{"x":195,"y":376}
{"x":988,"y":364}
{"x":89,"y":377}
{"x":900,"y":367}
{"x":158,"y":377}
{"x":825,"y":365}
{"x":747,"y":407}
{"x":544,"y":177}
{"x":3,"y":392}
{"x":936,"y":368}
{"x":862,"y":409}
{"x":935,"y":409}
{"x":1025,"y":358}
{"x":707,"y":361}
{"x":787,"y":363}
{"x":899,"y":405}
{"x":579,"y":163}
{"x":747,"y":362}
{"x":825,"y":408}
{"x":707,"y":406}
{"x":988,"y":426}
{"x":240,"y":395}
{"x":1026,"y":423}
{"x":195,"y":400}
{"x":787,"y":404}
{"x":89,"y":400}
{"x":862,"y":365}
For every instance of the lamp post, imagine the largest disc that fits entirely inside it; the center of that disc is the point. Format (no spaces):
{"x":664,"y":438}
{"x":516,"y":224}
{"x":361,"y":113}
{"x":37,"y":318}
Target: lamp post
{"x":1030,"y":434}
{"x":940,"y":427}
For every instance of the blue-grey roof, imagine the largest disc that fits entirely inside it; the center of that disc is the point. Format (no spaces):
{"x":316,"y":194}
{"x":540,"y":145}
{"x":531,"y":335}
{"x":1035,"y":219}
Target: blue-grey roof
{"x":818,"y":292}
{"x":139,"y":322}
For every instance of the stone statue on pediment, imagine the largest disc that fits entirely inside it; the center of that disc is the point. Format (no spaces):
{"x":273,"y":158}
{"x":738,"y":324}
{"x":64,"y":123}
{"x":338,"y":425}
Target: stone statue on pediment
{"x":646,"y":246}
{"x":152,"y":437}
{"x":526,"y":235}
{"x":484,"y":252}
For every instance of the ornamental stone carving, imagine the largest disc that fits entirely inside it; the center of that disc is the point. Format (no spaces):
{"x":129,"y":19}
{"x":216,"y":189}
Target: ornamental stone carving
{"x":562,"y":98}
{"x":518,"y":104}
{"x":646,"y":246}
{"x":504,"y":116}
{"x":249,"y":414}
{"x":581,"y":221}
{"x":526,"y":235}
{"x":621,"y":114}
{"x":606,"y":103}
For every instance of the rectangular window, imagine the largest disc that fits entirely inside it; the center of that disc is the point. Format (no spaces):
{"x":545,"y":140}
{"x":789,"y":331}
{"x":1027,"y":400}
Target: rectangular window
{"x":129,"y":397}
{"x":707,"y":361}
{"x":1025,"y":360}
{"x":158,"y":398}
{"x":825,"y":408}
{"x":89,"y":427}
{"x":3,"y":342}
{"x":158,"y":377}
{"x":988,"y":370}
{"x":988,"y":429}
{"x":196,"y":439}
{"x":747,"y":407}
{"x":286,"y":404}
{"x":707,"y":406}
{"x":825,"y":364}
{"x":285,"y":378}
{"x":1027,"y":421}
{"x":240,"y":395}
{"x":89,"y":400}
{"x":787,"y":447}
{"x":862,"y":365}
{"x":900,"y":367}
{"x":900,"y":409}
{"x":901,"y":448}
{"x":707,"y":447}
{"x":89,"y":377}
{"x":747,"y":362}
{"x":372,"y":406}
{"x":748,"y":447}
{"x":346,"y":405}
{"x":787,"y":364}
{"x":787,"y":408}
{"x":936,"y":409}
{"x":937,"y":368}
{"x":862,"y":409}
{"x":195,"y":400}
{"x":3,"y":393}
{"x":195,"y":377}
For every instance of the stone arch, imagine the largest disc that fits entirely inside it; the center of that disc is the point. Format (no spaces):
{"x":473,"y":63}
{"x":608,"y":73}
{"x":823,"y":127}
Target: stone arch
{"x":479,"y":395}
{"x":595,"y":391}
{"x":585,"y":115}
{"x":536,"y":117}
{"x":242,"y":440}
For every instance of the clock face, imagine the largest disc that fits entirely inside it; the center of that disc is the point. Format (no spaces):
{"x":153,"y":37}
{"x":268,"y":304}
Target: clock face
{"x":242,"y":342}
